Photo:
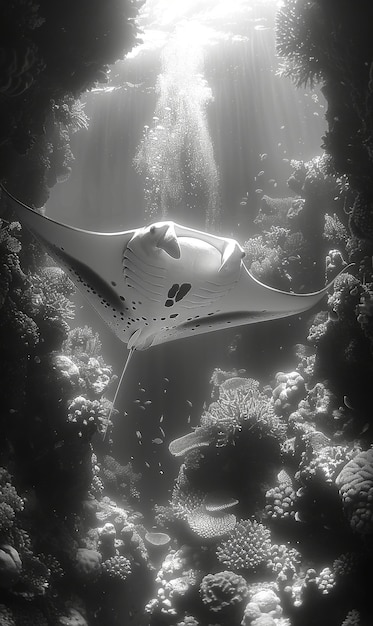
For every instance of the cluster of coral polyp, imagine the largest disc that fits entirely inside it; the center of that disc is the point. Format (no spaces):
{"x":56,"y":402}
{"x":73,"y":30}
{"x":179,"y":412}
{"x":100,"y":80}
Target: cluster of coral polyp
{"x":66,"y":548}
{"x":286,"y":546}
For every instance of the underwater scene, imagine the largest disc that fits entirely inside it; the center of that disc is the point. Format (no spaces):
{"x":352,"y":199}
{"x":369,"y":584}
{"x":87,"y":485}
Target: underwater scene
{"x":186,"y":313}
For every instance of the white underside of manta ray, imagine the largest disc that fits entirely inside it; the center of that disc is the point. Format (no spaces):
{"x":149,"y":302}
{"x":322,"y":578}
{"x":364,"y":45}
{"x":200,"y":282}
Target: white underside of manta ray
{"x":162,"y":282}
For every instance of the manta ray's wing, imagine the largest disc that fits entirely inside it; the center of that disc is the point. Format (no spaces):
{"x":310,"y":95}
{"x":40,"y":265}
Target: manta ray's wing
{"x":92,"y":260}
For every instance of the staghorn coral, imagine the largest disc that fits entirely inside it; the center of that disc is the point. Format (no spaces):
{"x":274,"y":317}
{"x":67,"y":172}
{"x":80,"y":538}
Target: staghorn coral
{"x":355,"y":483}
{"x":223,"y":590}
{"x":335,"y":232}
{"x":242,"y":407}
{"x":247,"y":546}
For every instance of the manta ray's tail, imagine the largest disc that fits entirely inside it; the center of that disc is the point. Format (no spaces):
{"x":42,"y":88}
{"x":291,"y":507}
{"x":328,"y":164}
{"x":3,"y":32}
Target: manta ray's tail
{"x":129,"y":356}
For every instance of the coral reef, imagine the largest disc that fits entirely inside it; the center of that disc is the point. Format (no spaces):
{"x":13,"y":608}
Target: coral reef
{"x":247,"y":546}
{"x":223,"y":590}
{"x":355,"y":482}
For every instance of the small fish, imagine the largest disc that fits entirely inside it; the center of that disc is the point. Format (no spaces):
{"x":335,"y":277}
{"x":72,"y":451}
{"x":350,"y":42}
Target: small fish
{"x":147,"y":402}
{"x":259,"y":191}
{"x":347,"y":402}
{"x":261,"y":173}
{"x":365,"y":428}
{"x":333,"y":316}
{"x":188,"y":420}
{"x":161,"y":419}
{"x":137,"y":401}
{"x":157,"y":441}
{"x":138,"y":435}
{"x":142,"y":389}
{"x":243,"y":203}
{"x":142,"y":408}
{"x":162,"y":431}
{"x":147,"y":464}
{"x":263,"y":156}
{"x":167,"y":380}
{"x":189,"y":403}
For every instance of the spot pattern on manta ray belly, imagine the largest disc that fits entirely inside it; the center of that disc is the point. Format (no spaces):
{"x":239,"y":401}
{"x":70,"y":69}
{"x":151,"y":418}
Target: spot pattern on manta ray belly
{"x":176,"y":293}
{"x":93,"y":285}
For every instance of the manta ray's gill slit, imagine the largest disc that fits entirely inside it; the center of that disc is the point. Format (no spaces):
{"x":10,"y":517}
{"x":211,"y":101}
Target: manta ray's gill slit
{"x":132,"y":259}
{"x":139,"y":276}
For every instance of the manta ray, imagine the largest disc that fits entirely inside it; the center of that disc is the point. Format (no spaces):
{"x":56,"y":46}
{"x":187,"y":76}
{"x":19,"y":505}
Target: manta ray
{"x":162,"y":282}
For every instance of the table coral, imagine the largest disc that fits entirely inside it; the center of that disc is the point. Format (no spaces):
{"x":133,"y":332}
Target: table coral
{"x":247,"y":546}
{"x":210,"y":524}
{"x":355,"y":483}
{"x":223,"y":590}
{"x":200,"y":437}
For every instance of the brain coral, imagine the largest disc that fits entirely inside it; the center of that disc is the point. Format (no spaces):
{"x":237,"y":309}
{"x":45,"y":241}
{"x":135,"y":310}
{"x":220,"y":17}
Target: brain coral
{"x":222,"y":590}
{"x":355,"y":482}
{"x":247,"y":546}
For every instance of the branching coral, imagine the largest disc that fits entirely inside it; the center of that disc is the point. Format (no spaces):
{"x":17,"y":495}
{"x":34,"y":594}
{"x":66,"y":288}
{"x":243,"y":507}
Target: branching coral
{"x":87,"y":416}
{"x":263,"y":261}
{"x":10,"y":502}
{"x":118,"y":567}
{"x":247,"y":546}
{"x":223,"y":590}
{"x":281,"y":499}
{"x":352,"y":619}
{"x":120,"y":478}
{"x":355,"y":482}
